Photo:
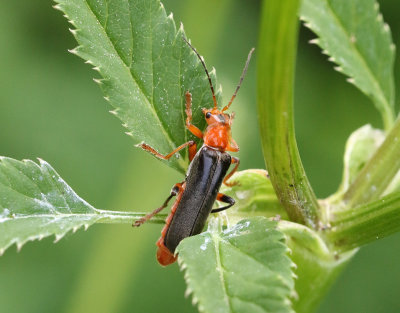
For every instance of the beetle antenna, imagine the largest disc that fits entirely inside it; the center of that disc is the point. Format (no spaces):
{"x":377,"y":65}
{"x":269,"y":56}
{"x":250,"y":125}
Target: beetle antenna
{"x":240,"y":81}
{"x":205,"y":68}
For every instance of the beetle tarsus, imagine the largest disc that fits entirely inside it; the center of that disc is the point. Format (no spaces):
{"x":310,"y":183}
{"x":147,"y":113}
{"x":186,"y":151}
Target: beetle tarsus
{"x":226,"y":199}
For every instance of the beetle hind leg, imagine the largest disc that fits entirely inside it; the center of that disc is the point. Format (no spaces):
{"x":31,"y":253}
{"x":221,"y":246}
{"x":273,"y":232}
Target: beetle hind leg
{"x":175,"y":190}
{"x":226,"y":199}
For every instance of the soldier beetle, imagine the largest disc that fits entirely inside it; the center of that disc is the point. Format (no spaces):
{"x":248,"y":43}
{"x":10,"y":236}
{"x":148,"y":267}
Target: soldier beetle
{"x":207,"y":171}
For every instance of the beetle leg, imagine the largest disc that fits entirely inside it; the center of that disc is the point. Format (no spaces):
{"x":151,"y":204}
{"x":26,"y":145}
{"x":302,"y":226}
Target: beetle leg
{"x":192,"y":151}
{"x":237,"y":161}
{"x":226,"y":199}
{"x":193,"y":129}
{"x":232,"y":146}
{"x":175,"y":190}
{"x":192,"y":145}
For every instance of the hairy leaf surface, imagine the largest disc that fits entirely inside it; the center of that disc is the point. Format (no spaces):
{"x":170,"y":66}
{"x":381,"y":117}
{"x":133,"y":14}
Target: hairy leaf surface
{"x":35,"y":202}
{"x":354,"y":35}
{"x":241,"y":269}
{"x":146,"y":68}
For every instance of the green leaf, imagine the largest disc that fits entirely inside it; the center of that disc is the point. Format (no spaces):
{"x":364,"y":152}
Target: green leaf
{"x":240,"y":269}
{"x":353,"y":33}
{"x":146,"y":68}
{"x":254,"y":196}
{"x":318,"y":264}
{"x":360,"y":147}
{"x":275,"y":67}
{"x":394,"y":186}
{"x":35,"y":202}
{"x":377,"y":175}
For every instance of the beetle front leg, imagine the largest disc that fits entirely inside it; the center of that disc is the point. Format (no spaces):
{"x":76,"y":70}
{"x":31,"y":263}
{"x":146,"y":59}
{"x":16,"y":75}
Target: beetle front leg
{"x":226,"y":199}
{"x":175,"y":191}
{"x":193,"y":129}
{"x":192,"y":147}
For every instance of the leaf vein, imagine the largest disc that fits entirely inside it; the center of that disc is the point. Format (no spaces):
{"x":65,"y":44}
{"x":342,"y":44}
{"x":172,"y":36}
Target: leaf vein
{"x":134,"y":79}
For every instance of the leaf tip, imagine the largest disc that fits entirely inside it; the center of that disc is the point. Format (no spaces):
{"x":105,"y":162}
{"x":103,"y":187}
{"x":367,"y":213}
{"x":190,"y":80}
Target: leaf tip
{"x":58,"y":7}
{"x":171,"y":16}
{"x":351,"y":80}
{"x":339,"y":69}
{"x":188,"y":292}
{"x":386,"y":27}
{"x":314,"y":41}
{"x":182,"y":265}
{"x":73,"y":51}
{"x":2,"y":251}
{"x":86,"y":226}
{"x":19,"y":246}
{"x":69,"y":20}
{"x":195,"y":300}
{"x":43,"y":163}
{"x":98,"y":81}
{"x":308,"y":25}
{"x":58,"y":238}
{"x":213,"y":71}
{"x":73,"y":31}
{"x":219,"y":89}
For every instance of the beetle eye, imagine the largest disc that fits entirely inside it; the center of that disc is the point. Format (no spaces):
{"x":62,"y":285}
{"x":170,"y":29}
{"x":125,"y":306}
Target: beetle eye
{"x":208,"y":115}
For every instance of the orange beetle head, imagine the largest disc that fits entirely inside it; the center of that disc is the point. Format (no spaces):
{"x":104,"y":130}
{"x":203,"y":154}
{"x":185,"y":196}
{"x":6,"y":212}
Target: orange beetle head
{"x":214,"y":116}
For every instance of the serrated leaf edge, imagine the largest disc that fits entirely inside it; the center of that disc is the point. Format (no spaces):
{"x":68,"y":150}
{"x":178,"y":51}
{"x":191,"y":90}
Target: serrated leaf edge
{"x":351,"y":79}
{"x":216,"y":226}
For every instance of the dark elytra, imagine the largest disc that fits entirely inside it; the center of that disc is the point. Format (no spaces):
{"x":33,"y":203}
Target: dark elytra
{"x":203,"y":180}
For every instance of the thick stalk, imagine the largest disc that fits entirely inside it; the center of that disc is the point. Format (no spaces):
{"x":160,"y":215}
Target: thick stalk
{"x":365,"y":223}
{"x":276,"y":65}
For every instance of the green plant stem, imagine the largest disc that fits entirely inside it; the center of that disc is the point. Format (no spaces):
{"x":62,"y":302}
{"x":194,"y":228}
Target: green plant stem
{"x":377,"y":174}
{"x":116,"y":217}
{"x":275,"y":65}
{"x":366,"y":223}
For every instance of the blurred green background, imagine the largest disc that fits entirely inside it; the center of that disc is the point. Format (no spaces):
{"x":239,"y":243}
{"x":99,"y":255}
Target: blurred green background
{"x":50,"y":108}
